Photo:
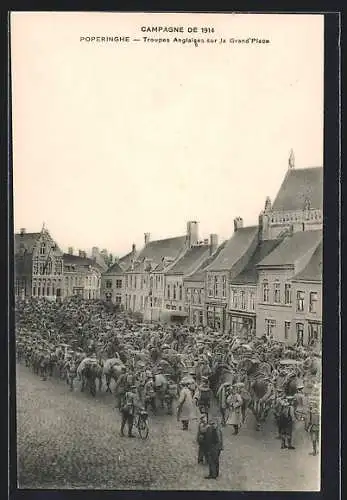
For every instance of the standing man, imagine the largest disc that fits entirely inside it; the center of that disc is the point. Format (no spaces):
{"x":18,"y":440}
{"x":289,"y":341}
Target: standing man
{"x":214,"y":446}
{"x":286,"y":422}
{"x":201,"y":438}
{"x":185,"y":405}
{"x":313,"y":426}
{"x":128,"y":411}
{"x":234,"y":401}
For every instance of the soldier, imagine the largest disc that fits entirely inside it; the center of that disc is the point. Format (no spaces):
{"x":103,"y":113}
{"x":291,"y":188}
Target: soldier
{"x":286,"y":422}
{"x":201,"y":438}
{"x":278,"y":410}
{"x":312,"y":425}
{"x":149,"y":395}
{"x":203,"y":396}
{"x":128,"y":411}
{"x":214,"y":446}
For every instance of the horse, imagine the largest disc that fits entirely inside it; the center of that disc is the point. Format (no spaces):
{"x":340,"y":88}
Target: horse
{"x":112,"y":369}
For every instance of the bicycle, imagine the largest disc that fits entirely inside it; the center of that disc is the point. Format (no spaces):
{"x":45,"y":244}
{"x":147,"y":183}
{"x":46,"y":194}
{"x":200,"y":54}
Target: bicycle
{"x":142,"y":424}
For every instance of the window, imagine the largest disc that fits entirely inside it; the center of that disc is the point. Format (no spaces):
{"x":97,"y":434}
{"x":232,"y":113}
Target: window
{"x":126,"y":281}
{"x":224,"y":286}
{"x":287,"y":293}
{"x":277,"y":292}
{"x":201,"y":317}
{"x":108,"y":283}
{"x":270,"y":325}
{"x":243,"y":300}
{"x":135,"y":281}
{"x":43,"y":248}
{"x":235,"y":299}
{"x":49,"y":266}
{"x":265,"y":291}
{"x":174,"y":292}
{"x":300,"y":334}
{"x":314,"y":333}
{"x":216,"y":291}
{"x":199,"y":297}
{"x":286,"y":330}
{"x":210,"y":286}
{"x":313,"y":302}
{"x":300,"y":301}
{"x":168,"y":291}
{"x":36,"y":266}
{"x":118,"y":299}
{"x":252,"y":301}
{"x":180,"y":293}
{"x":118,"y":283}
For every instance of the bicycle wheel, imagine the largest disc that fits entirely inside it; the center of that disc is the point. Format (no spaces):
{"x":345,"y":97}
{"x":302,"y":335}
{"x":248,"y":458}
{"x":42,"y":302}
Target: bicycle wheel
{"x":143,"y":428}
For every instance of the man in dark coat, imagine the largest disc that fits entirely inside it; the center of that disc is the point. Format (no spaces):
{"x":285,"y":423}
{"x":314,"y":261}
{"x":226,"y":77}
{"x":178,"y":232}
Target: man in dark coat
{"x":213,"y":446}
{"x":201,"y":438}
{"x":128,"y":411}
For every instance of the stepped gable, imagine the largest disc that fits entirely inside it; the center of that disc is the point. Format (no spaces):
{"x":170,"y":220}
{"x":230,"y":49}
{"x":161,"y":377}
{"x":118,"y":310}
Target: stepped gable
{"x":313,"y":270}
{"x":235,"y":248}
{"x":26,"y":241}
{"x":199,"y":274}
{"x":292,"y":248}
{"x":156,"y":250}
{"x":299,"y":185}
{"x":250,"y":274}
{"x":192,"y":258}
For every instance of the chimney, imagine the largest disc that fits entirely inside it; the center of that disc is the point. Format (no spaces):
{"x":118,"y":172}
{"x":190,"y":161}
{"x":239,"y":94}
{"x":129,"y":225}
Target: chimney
{"x":70,"y":251}
{"x":147,"y":238}
{"x":95,"y":252}
{"x":205,"y":242}
{"x":192,"y":233}
{"x":213,"y":243}
{"x":238,"y":223}
{"x":81,"y":254}
{"x":22,"y":231}
{"x":133,"y":249}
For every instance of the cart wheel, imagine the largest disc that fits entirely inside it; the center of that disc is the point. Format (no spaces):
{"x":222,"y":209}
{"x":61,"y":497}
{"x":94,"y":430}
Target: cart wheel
{"x":143,"y":429}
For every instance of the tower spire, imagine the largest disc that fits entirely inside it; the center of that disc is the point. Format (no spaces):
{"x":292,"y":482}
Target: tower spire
{"x":291,"y":160}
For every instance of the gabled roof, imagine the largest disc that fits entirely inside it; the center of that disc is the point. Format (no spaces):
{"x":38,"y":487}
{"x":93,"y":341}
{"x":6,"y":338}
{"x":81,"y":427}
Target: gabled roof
{"x":169,"y":247}
{"x":125,"y":261}
{"x":79,"y":261}
{"x":313,"y":270}
{"x":190,"y":260}
{"x":235,"y":248}
{"x":293,"y":248}
{"x":250,"y":274}
{"x":115,"y":269}
{"x":199,"y":275}
{"x":298,"y":185}
{"x":28,"y":241}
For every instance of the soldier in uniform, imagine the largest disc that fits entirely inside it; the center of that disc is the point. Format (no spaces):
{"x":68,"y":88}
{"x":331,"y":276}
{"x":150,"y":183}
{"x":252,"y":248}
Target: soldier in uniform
{"x":214,"y":446}
{"x":286,"y":423}
{"x":203,"y":396}
{"x":201,"y":438}
{"x":128,"y":411}
{"x":312,"y":425}
{"x":149,"y":395}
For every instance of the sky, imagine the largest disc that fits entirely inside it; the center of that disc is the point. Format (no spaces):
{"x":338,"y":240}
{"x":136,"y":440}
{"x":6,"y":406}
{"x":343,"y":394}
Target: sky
{"x":112,"y":140}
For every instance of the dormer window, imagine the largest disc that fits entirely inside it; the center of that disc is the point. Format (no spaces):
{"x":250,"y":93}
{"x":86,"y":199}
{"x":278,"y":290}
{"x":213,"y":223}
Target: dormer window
{"x":43,"y":248}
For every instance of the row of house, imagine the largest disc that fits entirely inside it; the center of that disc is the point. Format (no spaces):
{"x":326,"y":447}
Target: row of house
{"x":265,"y":279}
{"x":43,"y":270}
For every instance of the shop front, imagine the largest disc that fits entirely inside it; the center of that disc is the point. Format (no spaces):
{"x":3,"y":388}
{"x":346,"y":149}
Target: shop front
{"x":242,"y":325}
{"x":216,"y":317}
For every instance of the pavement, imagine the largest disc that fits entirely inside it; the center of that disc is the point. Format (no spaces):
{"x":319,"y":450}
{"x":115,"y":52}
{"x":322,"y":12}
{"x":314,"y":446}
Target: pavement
{"x":71,"y":440}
